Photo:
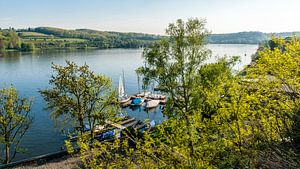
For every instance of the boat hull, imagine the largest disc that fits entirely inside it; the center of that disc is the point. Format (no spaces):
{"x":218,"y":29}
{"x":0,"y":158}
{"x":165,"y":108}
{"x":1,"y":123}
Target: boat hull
{"x":124,"y":100}
{"x":152,"y":104}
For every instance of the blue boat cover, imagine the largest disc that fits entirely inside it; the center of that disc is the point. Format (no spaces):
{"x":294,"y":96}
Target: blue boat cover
{"x":105,"y":135}
{"x":136,"y":101}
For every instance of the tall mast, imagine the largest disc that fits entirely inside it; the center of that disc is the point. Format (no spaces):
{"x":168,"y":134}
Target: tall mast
{"x":124,"y":88}
{"x":120,"y":87}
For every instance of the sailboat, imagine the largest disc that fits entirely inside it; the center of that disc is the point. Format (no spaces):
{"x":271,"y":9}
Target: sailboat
{"x":123,"y":98}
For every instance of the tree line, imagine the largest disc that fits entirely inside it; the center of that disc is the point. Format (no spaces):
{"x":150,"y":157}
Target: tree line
{"x":247,"y":37}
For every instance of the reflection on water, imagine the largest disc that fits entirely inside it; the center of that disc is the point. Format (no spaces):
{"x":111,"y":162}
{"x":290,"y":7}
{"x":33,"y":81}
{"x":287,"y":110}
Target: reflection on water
{"x":29,"y":72}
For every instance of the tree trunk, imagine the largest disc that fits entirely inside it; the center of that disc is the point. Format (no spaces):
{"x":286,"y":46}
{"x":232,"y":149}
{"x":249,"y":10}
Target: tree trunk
{"x":92,"y":134}
{"x":81,"y":126}
{"x":7,"y":153}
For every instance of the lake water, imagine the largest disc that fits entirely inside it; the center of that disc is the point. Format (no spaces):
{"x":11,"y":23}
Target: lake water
{"x":29,"y":72}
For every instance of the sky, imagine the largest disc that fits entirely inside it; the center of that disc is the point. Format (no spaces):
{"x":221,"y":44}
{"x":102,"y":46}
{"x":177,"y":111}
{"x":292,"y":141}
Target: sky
{"x":152,"y":16}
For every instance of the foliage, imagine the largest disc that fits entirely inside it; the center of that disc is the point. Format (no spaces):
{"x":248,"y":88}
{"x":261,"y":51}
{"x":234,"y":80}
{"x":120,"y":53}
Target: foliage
{"x":79,"y":95}
{"x":28,"y":46}
{"x":9,"y":40}
{"x":15,"y":120}
{"x":55,"y":38}
{"x":100,"y":39}
{"x":216,"y":119}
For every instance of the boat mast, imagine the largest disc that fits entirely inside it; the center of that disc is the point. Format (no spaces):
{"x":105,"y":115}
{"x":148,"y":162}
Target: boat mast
{"x":124,"y":89}
{"x":121,"y":87}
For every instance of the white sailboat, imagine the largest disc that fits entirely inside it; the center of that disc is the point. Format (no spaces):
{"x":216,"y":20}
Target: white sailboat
{"x":123,"y":98}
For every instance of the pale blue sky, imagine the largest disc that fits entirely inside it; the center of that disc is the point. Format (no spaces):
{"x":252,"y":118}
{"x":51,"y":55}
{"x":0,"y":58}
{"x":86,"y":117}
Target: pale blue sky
{"x":152,"y":16}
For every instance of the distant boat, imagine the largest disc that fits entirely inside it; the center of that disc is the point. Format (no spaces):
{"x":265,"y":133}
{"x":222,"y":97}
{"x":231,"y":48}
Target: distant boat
{"x":157,"y":96}
{"x":144,"y":94}
{"x":138,"y":101}
{"x":123,"y":98}
{"x":152,"y":104}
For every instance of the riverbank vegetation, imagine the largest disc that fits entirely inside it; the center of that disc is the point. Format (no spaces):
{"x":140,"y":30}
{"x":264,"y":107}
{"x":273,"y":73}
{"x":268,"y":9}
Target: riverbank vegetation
{"x":55,"y":38}
{"x":216,"y":119}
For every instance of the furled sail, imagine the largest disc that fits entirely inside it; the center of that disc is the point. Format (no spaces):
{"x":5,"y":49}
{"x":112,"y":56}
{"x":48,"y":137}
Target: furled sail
{"x":121,"y":88}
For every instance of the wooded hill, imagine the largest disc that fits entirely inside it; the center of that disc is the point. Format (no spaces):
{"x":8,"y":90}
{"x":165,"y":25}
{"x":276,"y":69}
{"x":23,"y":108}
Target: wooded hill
{"x":247,"y":37}
{"x":57,"y":38}
{"x":83,"y":38}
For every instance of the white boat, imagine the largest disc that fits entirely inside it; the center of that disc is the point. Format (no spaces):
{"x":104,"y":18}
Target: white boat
{"x":123,"y":98}
{"x":144,"y":94}
{"x":157,"y":96}
{"x":152,"y":104}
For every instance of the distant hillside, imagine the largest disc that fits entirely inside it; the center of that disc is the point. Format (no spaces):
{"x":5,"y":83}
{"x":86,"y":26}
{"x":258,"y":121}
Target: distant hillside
{"x":247,"y":37}
{"x":57,"y":38}
{"x":101,"y":39}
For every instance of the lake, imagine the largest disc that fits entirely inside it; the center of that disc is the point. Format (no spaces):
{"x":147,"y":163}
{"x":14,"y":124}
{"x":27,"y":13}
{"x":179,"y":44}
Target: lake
{"x":29,"y":72}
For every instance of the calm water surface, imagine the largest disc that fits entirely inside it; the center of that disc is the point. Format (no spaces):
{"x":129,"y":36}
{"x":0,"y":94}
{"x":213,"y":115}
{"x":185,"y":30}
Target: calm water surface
{"x":29,"y":72}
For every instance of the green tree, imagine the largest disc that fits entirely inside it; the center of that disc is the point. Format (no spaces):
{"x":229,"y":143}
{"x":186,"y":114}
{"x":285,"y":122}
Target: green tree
{"x":14,"y":40}
{"x":27,"y":46}
{"x":174,"y":63}
{"x":15,"y":120}
{"x":277,"y":73}
{"x":2,"y":44}
{"x":79,"y":95}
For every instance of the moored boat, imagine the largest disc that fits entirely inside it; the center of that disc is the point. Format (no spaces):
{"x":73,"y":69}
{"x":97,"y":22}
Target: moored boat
{"x":123,"y":98}
{"x":152,"y":104}
{"x":138,"y":101}
{"x":112,"y":129}
{"x":144,"y":94}
{"x":157,"y":96}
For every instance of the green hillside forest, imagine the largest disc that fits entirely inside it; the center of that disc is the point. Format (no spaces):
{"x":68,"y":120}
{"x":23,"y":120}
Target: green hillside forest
{"x":247,"y":37}
{"x":56,"y":38}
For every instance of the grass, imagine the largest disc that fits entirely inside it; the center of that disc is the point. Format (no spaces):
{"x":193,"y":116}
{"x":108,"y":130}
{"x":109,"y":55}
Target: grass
{"x":33,"y":34}
{"x":70,"y":39}
{"x":39,"y":39}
